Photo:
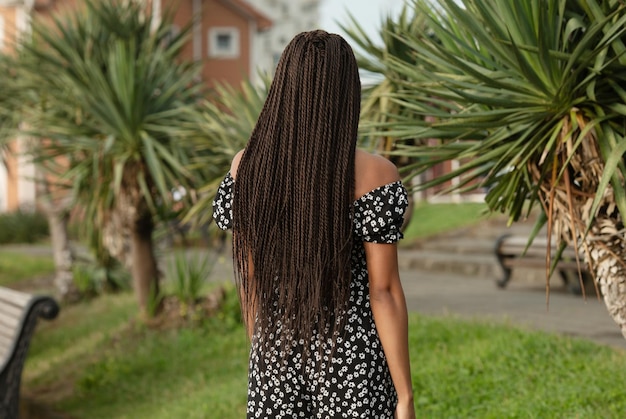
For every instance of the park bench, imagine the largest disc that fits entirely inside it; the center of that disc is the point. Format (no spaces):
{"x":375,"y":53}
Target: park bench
{"x":510,"y":254}
{"x":19,"y":313}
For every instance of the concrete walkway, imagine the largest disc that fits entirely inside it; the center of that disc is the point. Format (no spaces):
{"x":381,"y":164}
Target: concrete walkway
{"x":523,"y":304}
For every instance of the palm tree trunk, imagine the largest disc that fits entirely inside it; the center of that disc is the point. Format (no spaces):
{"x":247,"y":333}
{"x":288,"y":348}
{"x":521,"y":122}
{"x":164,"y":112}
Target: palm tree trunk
{"x":63,"y":255}
{"x":58,"y":218}
{"x":607,"y":257}
{"x":144,"y":267}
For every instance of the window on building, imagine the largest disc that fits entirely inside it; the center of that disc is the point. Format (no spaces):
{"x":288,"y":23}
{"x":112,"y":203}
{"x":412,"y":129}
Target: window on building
{"x":223,"y":43}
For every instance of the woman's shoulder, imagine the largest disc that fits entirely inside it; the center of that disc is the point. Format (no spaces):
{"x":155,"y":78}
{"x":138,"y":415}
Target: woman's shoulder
{"x":235,"y":163}
{"x":372,"y":171}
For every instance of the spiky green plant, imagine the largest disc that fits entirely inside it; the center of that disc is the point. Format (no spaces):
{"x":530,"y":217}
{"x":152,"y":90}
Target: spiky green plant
{"x":228,"y":117}
{"x":8,"y":120}
{"x":377,"y":108}
{"x":530,"y":96}
{"x":116,"y":106}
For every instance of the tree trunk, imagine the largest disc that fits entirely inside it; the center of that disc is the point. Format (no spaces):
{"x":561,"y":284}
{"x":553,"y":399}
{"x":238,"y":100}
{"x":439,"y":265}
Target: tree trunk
{"x":63,"y":255}
{"x":568,"y":203}
{"x":144,"y":267}
{"x":116,"y":237}
{"x":608,"y":256}
{"x":58,"y":218}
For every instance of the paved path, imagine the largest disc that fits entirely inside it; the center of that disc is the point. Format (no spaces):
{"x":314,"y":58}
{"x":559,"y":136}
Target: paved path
{"x":524,"y":304}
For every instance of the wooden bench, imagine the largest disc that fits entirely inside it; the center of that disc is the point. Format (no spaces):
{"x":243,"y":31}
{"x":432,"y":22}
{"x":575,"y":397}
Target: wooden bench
{"x":19,"y":313}
{"x":509,"y":250}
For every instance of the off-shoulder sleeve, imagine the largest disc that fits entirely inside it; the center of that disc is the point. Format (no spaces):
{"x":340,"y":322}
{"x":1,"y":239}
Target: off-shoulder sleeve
{"x":223,"y":204}
{"x":378,"y":215}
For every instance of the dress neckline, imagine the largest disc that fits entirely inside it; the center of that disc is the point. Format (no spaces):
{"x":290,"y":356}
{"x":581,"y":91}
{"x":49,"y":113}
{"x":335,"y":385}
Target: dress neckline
{"x":360,"y":198}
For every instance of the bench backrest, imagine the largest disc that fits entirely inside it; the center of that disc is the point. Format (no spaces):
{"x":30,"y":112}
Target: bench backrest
{"x":515,"y":246}
{"x":18,"y":317}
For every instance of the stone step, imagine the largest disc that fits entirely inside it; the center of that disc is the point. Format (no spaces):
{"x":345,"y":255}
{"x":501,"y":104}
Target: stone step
{"x":483,"y":265}
{"x":458,"y":245}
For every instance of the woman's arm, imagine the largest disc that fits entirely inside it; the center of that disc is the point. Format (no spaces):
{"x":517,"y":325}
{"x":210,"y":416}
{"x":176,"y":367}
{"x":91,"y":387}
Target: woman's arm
{"x":391,"y":319}
{"x":248,"y":300}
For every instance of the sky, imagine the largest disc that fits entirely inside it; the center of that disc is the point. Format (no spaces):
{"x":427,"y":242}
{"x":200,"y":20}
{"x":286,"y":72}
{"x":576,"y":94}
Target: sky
{"x":369,"y":13}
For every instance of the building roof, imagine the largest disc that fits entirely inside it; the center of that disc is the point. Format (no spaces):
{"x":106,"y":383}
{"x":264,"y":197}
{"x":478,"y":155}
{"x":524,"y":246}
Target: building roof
{"x":242,"y":7}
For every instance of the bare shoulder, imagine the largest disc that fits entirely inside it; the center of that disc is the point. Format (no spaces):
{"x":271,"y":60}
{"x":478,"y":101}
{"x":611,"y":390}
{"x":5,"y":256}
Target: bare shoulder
{"x":235,"y":163}
{"x":372,"y":171}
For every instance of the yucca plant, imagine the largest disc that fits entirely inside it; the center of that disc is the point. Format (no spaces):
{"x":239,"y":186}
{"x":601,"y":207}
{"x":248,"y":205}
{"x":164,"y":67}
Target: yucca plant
{"x":189,"y":275}
{"x":377,"y":108}
{"x":7,"y":116}
{"x":228,"y":117}
{"x":372,"y":55}
{"x":116,"y":106}
{"x":530,"y":94}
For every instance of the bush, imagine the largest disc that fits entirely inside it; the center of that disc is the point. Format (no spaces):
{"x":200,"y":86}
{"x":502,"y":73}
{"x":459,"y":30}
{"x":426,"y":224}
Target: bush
{"x":189,"y":275}
{"x":92,"y":278}
{"x":22,"y":226}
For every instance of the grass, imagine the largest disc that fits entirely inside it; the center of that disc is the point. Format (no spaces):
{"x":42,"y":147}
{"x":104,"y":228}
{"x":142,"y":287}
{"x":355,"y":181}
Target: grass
{"x":16,"y":266}
{"x":432,"y":219}
{"x":95,"y":361}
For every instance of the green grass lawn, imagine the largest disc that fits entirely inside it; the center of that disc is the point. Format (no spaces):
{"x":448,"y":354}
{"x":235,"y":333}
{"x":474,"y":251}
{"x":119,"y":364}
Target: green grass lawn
{"x":16,"y":266}
{"x":95,"y":361}
{"x":431,"y":219}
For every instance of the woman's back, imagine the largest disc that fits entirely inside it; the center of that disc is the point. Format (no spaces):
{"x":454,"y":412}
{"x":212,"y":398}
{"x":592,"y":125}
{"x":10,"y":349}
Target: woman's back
{"x":303,"y":208}
{"x":344,"y":374}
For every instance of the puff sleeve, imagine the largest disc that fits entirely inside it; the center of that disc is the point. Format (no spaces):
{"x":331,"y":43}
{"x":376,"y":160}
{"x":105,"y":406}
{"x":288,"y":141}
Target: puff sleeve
{"x":379,"y":214}
{"x":223,"y":203}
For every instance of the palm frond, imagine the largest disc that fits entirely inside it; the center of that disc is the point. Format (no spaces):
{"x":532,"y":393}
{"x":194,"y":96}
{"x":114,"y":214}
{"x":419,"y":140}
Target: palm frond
{"x":228,"y":118}
{"x":121,"y":106}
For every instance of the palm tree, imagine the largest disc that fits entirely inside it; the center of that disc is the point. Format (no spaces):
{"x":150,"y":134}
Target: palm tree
{"x":228,"y":117}
{"x":116,"y":108}
{"x":56,"y":211}
{"x":372,"y":57}
{"x":531,"y":96}
{"x":377,"y":109}
{"x":7,"y":118}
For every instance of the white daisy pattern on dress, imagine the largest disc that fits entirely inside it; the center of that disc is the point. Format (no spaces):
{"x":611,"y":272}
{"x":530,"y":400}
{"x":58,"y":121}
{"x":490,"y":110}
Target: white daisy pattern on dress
{"x":348,"y":377}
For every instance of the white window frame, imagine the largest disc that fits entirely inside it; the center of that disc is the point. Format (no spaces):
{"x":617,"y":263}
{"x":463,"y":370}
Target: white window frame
{"x":214,"y":49}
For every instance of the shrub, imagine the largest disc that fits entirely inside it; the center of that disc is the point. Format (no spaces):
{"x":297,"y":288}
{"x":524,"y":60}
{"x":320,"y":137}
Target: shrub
{"x":189,"y":276}
{"x":22,"y":226}
{"x":92,"y":279}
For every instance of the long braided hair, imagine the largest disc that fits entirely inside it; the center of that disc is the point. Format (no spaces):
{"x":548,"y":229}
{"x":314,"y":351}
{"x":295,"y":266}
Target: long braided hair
{"x":292,"y":230}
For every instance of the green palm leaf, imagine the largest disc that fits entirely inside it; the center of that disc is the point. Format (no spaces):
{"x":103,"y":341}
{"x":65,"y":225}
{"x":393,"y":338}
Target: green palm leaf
{"x":499,"y":78}
{"x":228,"y":118}
{"x":105,"y":88}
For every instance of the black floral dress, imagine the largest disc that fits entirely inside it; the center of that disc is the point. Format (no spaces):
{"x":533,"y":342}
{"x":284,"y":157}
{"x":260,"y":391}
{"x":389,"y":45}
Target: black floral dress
{"x":354,"y":382}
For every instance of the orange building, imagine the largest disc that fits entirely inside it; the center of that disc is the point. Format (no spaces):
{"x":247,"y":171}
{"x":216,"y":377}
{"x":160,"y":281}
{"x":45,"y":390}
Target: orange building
{"x":225,"y":37}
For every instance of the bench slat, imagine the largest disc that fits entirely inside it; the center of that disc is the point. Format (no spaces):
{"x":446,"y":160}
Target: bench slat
{"x":14,"y":297}
{"x":511,"y":252}
{"x":5,"y":345}
{"x":7,"y":330}
{"x":10,"y":322}
{"x":534,"y":251}
{"x":19,"y":313}
{"x":541,"y":263}
{"x":10,"y":311}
